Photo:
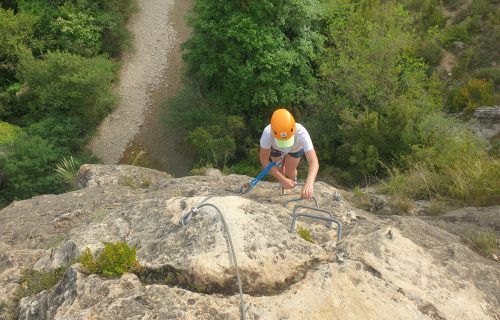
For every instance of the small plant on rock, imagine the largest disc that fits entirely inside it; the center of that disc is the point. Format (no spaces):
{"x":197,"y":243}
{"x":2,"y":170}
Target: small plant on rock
{"x":486,"y":242}
{"x":305,"y":234}
{"x":114,"y":260}
{"x":34,"y":281}
{"x":67,"y":171}
{"x":401,"y":205}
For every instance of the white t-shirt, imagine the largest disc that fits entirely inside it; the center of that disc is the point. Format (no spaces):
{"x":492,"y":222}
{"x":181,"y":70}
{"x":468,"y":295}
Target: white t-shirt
{"x":302,"y":140}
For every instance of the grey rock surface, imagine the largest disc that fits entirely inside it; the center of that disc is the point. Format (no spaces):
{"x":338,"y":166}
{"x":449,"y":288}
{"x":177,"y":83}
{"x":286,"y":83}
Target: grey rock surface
{"x":469,"y":220}
{"x":385,"y":267}
{"x":486,"y":122}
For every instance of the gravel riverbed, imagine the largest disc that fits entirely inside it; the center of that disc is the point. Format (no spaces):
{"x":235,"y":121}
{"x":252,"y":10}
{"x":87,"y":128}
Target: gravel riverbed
{"x":141,"y":74}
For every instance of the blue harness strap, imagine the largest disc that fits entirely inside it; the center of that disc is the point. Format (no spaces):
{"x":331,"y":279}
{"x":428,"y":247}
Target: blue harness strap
{"x":247,"y":187}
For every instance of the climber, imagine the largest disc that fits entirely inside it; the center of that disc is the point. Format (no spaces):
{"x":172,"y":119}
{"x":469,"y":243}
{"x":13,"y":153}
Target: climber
{"x":285,"y":137}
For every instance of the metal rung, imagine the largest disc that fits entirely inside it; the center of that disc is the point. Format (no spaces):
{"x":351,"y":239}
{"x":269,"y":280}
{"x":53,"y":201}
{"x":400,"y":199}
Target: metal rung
{"x":297,"y":183}
{"x":329,"y":219}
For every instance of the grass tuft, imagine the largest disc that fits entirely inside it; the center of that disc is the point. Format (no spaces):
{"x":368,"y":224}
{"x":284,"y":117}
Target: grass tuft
{"x":305,"y":234}
{"x":486,"y":242}
{"x":67,"y":171}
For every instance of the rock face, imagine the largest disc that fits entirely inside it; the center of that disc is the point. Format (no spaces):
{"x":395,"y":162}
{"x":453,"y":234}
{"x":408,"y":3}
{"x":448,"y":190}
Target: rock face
{"x":387,"y":267}
{"x":486,"y":122}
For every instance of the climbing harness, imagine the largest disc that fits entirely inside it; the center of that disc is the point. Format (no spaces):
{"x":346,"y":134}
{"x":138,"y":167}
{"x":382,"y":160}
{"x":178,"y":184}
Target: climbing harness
{"x":247,"y":187}
{"x":195,"y":211}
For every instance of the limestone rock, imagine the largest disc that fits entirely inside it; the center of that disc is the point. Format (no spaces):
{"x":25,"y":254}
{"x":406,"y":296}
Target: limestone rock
{"x":468,"y":220}
{"x":385,"y":267}
{"x":486,"y":122}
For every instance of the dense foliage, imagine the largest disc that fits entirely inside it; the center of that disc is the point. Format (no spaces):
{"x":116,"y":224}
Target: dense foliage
{"x":57,"y":68}
{"x":371,"y":80}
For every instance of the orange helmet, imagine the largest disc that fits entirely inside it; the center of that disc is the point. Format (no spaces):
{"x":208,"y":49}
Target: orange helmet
{"x":283,"y":127}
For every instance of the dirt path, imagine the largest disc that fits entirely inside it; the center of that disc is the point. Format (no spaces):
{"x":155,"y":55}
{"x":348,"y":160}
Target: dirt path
{"x":143,"y":76}
{"x":158,"y":146}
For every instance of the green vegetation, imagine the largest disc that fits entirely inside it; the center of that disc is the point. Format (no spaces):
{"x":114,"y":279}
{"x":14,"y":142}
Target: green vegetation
{"x":373,"y":82}
{"x":437,"y":207}
{"x":67,"y":170}
{"x":57,"y":69}
{"x":34,"y":281}
{"x":359,"y":199}
{"x":305,"y":233}
{"x":137,"y":156}
{"x":114,"y":260}
{"x":486,"y":242}
{"x":31,"y":282}
{"x":367,"y":79}
{"x":135,"y":183}
{"x":401,"y":205}
{"x":8,"y":133}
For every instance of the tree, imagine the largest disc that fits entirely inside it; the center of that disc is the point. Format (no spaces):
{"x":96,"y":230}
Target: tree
{"x":16,"y":31}
{"x":8,"y":133}
{"x":250,"y":55}
{"x":369,"y":66}
{"x":68,"y":84}
{"x":77,"y":32}
{"x":27,"y":166}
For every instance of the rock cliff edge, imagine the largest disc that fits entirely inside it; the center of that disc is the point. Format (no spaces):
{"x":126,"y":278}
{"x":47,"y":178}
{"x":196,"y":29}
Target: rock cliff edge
{"x":384,"y":267}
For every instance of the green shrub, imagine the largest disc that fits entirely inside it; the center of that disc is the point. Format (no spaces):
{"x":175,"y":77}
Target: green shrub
{"x":438,"y":207}
{"x":472,"y":181}
{"x":113,"y":22}
{"x":249,"y":166}
{"x":17,"y":30}
{"x":213,"y":144}
{"x":401,"y":205}
{"x":430,"y":50}
{"x":34,"y":281}
{"x":77,"y":32}
{"x":487,"y":242}
{"x":429,"y":13}
{"x":305,"y":234}
{"x":449,"y":163}
{"x":28,"y":165}
{"x":62,"y":130}
{"x":114,"y":260}
{"x":8,"y":132}
{"x":473,"y":94}
{"x":245,"y":63}
{"x":88,"y":261}
{"x":458,"y":32}
{"x":67,"y":170}
{"x":68,"y":84}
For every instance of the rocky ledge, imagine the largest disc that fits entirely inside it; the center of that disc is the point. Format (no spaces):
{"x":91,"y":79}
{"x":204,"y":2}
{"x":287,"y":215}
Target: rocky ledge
{"x":384,"y":267}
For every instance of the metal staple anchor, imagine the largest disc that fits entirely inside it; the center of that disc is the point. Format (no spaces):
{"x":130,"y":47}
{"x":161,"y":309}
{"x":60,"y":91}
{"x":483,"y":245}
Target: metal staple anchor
{"x":191,"y":213}
{"x":297,"y":183}
{"x":312,"y":216}
{"x":300,"y":199}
